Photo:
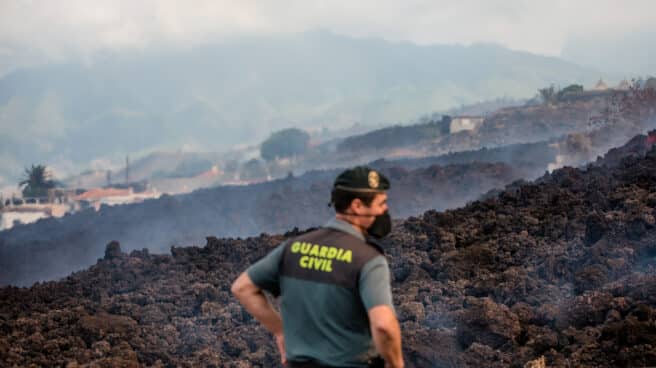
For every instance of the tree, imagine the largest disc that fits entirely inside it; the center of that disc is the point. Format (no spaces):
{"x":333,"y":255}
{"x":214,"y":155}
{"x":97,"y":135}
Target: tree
{"x":284,"y":143}
{"x":572,"y":89}
{"x":37,"y":181}
{"x":637,"y":107}
{"x":548,"y":95}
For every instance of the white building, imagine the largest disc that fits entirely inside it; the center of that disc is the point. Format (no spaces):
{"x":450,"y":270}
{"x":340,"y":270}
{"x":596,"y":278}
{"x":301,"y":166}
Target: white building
{"x":460,"y":123}
{"x":28,"y":213}
{"x":623,"y":85}
{"x":112,"y":196}
{"x":600,"y":86}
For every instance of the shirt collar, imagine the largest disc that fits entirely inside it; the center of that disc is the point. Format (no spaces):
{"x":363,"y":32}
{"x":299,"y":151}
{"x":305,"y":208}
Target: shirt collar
{"x":344,"y":226}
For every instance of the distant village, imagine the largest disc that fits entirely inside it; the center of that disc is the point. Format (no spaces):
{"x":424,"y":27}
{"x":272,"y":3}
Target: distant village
{"x":41,"y":198}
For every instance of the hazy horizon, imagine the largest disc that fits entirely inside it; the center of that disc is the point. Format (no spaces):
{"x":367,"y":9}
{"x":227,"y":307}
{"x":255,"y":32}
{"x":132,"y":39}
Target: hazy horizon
{"x":83,"y":40}
{"x":77,"y":30}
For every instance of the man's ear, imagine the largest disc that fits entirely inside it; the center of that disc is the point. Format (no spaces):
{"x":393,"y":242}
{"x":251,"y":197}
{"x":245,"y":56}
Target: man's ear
{"x":356,"y":205}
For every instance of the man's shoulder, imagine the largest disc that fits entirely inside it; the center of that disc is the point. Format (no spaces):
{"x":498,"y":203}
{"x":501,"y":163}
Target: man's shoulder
{"x":328,"y":234}
{"x":375,"y":244}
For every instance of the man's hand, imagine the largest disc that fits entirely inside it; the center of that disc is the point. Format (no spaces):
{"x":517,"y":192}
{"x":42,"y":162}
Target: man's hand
{"x":280,"y":342}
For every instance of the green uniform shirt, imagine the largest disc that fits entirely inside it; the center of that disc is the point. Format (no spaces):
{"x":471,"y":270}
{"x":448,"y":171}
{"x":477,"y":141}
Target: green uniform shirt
{"x":325,"y":298}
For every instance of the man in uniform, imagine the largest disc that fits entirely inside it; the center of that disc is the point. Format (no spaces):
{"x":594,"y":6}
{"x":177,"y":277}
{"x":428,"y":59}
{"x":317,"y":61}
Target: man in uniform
{"x":334,"y":284}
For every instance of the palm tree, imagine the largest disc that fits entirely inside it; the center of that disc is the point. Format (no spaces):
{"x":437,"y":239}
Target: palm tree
{"x":37,"y":182}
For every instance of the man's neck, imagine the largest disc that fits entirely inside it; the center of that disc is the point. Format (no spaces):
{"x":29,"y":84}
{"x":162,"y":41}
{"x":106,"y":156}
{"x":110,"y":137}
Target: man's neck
{"x":351,"y":221}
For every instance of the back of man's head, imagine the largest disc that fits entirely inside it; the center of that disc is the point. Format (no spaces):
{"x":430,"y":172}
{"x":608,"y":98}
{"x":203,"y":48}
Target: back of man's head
{"x":360,"y":182}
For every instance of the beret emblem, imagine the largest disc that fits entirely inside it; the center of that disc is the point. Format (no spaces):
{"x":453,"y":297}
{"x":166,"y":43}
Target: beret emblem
{"x":373,"y":179}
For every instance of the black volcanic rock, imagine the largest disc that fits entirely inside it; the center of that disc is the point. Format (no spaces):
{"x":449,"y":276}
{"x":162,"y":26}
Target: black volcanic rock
{"x":113,"y":250}
{"x":51,"y":248}
{"x":502,"y":282}
{"x":488,"y":323}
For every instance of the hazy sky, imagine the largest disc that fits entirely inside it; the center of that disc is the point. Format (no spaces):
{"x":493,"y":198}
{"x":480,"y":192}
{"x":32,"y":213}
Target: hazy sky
{"x":43,"y":31}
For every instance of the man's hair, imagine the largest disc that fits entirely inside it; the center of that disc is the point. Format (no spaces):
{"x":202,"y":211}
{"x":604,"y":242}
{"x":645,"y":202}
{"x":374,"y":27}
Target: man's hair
{"x":342,"y":199}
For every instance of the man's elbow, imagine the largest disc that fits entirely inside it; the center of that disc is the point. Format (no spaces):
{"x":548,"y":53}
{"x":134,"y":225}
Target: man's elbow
{"x":383,"y":321}
{"x":384,"y":329}
{"x":234,"y":288}
{"x":239,"y":287}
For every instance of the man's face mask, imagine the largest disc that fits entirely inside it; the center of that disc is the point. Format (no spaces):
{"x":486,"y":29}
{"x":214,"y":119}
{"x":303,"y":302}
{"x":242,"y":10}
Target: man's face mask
{"x":381,"y":226}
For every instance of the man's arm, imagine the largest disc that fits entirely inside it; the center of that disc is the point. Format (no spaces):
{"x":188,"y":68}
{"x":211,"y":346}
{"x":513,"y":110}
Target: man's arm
{"x":376,"y":294}
{"x":256,"y":303}
{"x":386,"y":333}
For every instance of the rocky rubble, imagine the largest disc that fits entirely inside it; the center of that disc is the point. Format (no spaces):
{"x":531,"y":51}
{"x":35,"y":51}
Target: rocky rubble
{"x":54,"y":247}
{"x":559,"y":272}
{"x":570,"y":133}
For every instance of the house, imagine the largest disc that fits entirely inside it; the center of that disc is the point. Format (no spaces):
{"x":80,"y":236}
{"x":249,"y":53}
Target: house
{"x":111,"y":196}
{"x":460,"y":123}
{"x":62,"y":201}
{"x":600,"y":86}
{"x":623,"y":85}
{"x":29,"y":210}
{"x":650,"y":83}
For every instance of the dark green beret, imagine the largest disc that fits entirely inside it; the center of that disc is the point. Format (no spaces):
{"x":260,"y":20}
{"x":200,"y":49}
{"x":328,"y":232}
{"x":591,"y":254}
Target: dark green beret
{"x":361,"y":179}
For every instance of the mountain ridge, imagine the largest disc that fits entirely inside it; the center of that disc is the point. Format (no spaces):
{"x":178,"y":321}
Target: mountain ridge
{"x":218,"y":95}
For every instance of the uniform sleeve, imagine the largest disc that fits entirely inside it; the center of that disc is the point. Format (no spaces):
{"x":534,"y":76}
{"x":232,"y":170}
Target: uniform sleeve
{"x":264,"y":273}
{"x":375,"y":288}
